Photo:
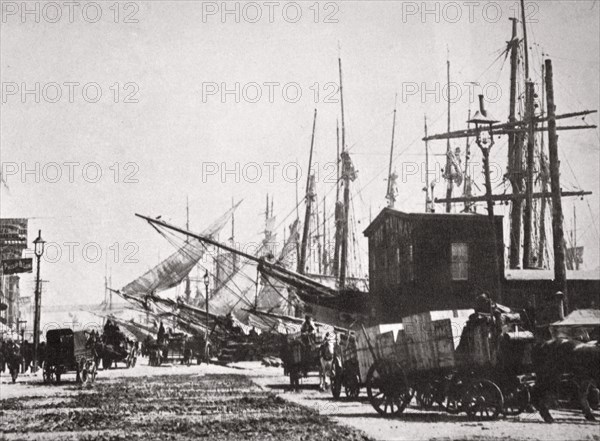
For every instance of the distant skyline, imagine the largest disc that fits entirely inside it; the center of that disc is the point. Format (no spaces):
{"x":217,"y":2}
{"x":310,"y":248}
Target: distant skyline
{"x":190,"y":103}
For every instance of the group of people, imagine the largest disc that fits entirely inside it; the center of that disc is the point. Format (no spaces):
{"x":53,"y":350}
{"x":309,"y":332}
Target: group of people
{"x":11,"y":349}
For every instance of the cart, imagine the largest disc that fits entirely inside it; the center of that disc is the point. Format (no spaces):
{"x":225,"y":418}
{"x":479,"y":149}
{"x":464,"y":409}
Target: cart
{"x":300,"y":356}
{"x":486,"y":375}
{"x":175,"y":349}
{"x":346,"y":369}
{"x":118,"y":346}
{"x":69,"y":351}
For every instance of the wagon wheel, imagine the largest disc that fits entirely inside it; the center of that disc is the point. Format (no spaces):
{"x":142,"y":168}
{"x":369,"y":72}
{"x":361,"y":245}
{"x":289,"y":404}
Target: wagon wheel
{"x":48,"y":373}
{"x":452,"y":402}
{"x":516,"y":400}
{"x":593,"y":396}
{"x":81,"y":372}
{"x":92,"y":371}
{"x":425,"y":395}
{"x":57,"y":374}
{"x":352,"y":385}
{"x":431,"y":393}
{"x":294,"y":378}
{"x":483,"y":400}
{"x":387,"y":388}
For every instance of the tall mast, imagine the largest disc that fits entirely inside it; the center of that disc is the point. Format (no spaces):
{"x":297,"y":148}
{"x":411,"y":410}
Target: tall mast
{"x":467,"y":157}
{"x":342,"y":106}
{"x":188,"y":289}
{"x":390,"y":196}
{"x":318,"y":237}
{"x":106,"y":290}
{"x":544,"y":176}
{"x":346,"y":180}
{"x":529,"y":110}
{"x":528,"y":215}
{"x":110,"y":293}
{"x":337,"y":211}
{"x":448,"y":162}
{"x":337,"y":162}
{"x":515,"y":157}
{"x":325,"y":245}
{"x":574,"y":240}
{"x":427,"y":204}
{"x":525,"y":45}
{"x":233,"y":256}
{"x":558,"y":235}
{"x":297,"y":215}
{"x":308,"y":200}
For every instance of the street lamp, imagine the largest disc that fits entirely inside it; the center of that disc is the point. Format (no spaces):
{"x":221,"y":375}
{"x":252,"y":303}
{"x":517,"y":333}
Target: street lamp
{"x":206,"y":282}
{"x":39,"y":251}
{"x":483,"y":118}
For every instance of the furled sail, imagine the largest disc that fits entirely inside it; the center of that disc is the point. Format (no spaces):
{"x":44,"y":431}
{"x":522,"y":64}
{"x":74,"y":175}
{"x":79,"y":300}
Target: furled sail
{"x":274,"y":296}
{"x":173,"y":270}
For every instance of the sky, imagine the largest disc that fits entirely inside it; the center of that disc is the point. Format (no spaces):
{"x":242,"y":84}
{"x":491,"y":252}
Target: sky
{"x":134,"y":107}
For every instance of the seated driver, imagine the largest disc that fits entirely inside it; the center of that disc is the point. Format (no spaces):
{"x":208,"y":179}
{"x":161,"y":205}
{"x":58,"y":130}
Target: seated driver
{"x":308,"y":330}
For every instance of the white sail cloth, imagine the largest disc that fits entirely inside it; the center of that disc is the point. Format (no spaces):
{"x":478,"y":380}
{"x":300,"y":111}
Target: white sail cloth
{"x":171,"y":271}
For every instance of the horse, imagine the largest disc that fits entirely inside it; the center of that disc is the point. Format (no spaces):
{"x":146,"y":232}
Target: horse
{"x":554,"y":358}
{"x":327,"y":353}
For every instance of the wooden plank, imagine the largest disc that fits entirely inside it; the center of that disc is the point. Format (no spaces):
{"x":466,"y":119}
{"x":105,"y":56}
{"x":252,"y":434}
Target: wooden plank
{"x":386,"y":345}
{"x":365,"y":359}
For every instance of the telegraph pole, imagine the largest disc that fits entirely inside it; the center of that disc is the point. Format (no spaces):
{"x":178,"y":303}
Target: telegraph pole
{"x":558,"y":235}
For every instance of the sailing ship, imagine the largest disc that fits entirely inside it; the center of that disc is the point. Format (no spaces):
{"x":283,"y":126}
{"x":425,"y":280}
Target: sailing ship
{"x":533,"y":168}
{"x":305,"y":277}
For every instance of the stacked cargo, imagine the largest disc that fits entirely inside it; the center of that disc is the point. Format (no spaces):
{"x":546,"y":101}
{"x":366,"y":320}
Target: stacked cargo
{"x":425,"y":341}
{"x":429,"y":339}
{"x":383,"y":342}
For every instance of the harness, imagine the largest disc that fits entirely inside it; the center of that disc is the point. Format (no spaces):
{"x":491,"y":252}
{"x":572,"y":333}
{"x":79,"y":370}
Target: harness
{"x":324,"y":353}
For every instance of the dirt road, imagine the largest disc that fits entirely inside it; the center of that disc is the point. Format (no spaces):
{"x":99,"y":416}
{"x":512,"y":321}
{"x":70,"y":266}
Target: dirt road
{"x":416,"y":424}
{"x":242,"y":401}
{"x":159,"y":403}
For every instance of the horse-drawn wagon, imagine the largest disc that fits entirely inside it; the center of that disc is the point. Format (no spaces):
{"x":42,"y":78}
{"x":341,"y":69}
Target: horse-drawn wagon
{"x":303,"y":353}
{"x":69,"y":351}
{"x":472,"y":362}
{"x":174,"y":348}
{"x":117,"y":345}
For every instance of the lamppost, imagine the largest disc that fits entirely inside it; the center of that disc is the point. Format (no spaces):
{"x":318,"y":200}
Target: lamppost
{"x":483,"y":118}
{"x":39,"y":251}
{"x":206,"y":282}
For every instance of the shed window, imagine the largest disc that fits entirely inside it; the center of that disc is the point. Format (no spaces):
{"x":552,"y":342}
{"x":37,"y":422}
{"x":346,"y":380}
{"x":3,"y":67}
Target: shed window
{"x":459,"y":264}
{"x":411,"y":264}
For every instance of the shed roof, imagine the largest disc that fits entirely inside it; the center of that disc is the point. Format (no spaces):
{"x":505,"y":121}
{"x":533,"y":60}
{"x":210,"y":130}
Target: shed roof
{"x":580,"y":317}
{"x":423,"y":216}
